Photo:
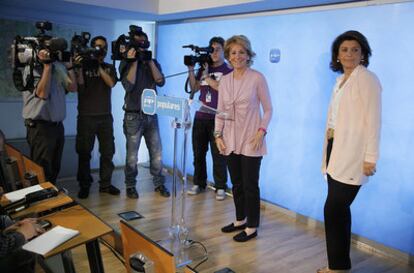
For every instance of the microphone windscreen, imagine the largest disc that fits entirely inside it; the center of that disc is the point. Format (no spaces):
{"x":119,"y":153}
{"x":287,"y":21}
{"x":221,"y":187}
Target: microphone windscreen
{"x":58,"y":44}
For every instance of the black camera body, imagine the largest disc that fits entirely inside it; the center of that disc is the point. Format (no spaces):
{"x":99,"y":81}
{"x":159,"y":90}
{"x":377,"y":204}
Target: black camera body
{"x":90,"y":55}
{"x":202,"y":55}
{"x":24,"y":51}
{"x":124,"y":43}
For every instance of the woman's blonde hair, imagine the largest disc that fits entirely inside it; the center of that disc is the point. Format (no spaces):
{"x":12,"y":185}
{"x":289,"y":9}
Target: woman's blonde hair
{"x":242,"y":41}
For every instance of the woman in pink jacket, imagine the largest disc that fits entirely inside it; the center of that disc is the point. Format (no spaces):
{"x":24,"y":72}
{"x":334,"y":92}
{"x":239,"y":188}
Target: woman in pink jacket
{"x":351,"y":146}
{"x":240,"y":136}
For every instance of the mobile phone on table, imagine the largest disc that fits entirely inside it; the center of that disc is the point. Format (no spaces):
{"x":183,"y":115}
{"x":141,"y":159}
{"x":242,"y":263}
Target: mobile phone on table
{"x":45,"y":224}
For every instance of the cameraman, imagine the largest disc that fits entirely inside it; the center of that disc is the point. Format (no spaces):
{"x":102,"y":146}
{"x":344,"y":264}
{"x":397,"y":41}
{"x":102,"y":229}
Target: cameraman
{"x":137,"y":75}
{"x":44,"y":109}
{"x":207,"y":81}
{"x":95,"y":80}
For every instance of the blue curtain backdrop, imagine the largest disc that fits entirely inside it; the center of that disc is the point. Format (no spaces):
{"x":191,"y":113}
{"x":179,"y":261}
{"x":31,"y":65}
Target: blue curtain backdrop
{"x":300,"y":86}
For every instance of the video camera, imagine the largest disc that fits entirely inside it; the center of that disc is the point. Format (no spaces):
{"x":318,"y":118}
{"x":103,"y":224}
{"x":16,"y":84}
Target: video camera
{"x":90,"y":55}
{"x":24,"y":52}
{"x":202,"y":55}
{"x":24,"y":49}
{"x":124,"y":43}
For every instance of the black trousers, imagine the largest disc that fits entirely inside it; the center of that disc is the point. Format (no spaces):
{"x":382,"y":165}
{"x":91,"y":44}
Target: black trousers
{"x":202,"y":137}
{"x":244,"y":174}
{"x":46,"y":141}
{"x":337,"y":214}
{"x":88,"y":128}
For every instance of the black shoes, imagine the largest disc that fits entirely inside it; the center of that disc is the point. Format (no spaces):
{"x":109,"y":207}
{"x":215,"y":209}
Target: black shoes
{"x":83,"y":193}
{"x":163,"y":191}
{"x":112,"y":190}
{"x":243,"y":237}
{"x":232,"y":227}
{"x":132,"y":193}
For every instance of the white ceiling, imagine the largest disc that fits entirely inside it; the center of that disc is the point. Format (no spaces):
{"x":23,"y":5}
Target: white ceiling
{"x":163,"y":6}
{"x":160,"y":10}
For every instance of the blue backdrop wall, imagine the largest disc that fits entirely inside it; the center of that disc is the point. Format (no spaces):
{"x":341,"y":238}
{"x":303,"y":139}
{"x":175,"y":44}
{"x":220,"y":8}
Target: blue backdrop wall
{"x":300,"y":86}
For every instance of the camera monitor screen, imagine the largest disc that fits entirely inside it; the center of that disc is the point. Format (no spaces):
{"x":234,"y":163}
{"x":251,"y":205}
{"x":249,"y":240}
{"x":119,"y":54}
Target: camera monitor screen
{"x":134,"y":241}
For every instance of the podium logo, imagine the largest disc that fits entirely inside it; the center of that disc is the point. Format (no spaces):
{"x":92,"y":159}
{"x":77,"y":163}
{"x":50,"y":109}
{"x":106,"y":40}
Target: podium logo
{"x":148,"y":102}
{"x":162,"y":105}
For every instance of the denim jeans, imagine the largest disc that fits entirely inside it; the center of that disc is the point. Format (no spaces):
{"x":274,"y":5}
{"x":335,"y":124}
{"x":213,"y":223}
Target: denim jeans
{"x":136,"y":126}
{"x":88,"y":128}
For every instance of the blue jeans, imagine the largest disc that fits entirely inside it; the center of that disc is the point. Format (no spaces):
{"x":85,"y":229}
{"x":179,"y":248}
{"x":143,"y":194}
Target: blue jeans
{"x":137,"y":125}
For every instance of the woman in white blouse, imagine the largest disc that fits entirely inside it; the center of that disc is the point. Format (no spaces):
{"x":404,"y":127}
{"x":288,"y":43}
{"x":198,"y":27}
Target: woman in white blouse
{"x":351,"y":147}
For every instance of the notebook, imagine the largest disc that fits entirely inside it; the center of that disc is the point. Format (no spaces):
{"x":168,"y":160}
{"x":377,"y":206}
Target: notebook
{"x":50,"y":239}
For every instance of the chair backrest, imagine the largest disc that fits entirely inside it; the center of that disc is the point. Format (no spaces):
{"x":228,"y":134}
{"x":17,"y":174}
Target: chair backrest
{"x":15,"y":154}
{"x":29,"y":172}
{"x":134,"y":241}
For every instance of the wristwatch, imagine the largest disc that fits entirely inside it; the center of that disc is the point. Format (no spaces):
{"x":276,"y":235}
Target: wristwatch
{"x":217,"y":134}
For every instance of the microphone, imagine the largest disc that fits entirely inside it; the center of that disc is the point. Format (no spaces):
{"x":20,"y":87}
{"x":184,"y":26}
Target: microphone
{"x":57,"y":44}
{"x":189,"y":46}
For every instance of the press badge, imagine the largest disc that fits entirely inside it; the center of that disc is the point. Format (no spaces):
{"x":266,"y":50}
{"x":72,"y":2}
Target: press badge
{"x":208,"y":97}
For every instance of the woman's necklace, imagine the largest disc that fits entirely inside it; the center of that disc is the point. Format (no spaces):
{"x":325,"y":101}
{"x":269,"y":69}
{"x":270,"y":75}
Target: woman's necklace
{"x":236,"y":93}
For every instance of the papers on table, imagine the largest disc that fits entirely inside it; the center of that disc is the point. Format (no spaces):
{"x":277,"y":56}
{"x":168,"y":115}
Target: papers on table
{"x":20,"y":194}
{"x":50,"y":239}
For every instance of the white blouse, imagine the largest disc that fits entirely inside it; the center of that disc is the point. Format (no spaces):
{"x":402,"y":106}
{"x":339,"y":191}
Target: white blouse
{"x":336,"y":98}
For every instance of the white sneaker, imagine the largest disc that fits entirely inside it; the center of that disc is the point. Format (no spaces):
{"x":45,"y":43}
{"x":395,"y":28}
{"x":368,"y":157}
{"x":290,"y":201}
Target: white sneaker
{"x":220,"y":195}
{"x":194,"y":190}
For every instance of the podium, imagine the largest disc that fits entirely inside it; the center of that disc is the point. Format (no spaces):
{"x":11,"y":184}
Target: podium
{"x":179,"y":110}
{"x":178,"y":243}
